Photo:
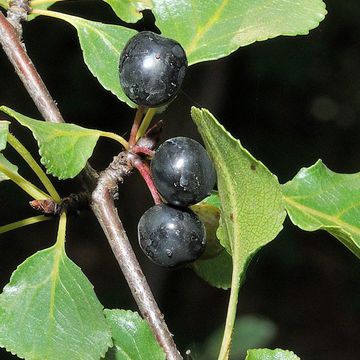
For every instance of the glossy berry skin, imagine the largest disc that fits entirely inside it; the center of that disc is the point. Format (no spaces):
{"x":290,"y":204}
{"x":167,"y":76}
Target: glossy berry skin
{"x":152,"y":69}
{"x":182,"y":171}
{"x":170,"y":236}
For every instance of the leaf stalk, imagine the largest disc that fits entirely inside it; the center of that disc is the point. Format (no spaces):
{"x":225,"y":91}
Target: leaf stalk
{"x":25,"y":222}
{"x":24,"y":184}
{"x":35,"y":3}
{"x":135,"y":127}
{"x":145,"y":123}
{"x":115,"y":137}
{"x":61,"y":235}
{"x":231,"y":313}
{"x":25,"y":154}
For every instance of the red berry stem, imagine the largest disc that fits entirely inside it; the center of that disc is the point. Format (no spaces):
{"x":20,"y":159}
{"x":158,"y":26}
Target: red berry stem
{"x":142,"y":150}
{"x":136,"y":124}
{"x":144,"y":170}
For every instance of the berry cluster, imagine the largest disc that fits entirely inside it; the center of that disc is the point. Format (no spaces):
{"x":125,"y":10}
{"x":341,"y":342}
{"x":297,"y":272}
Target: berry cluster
{"x":171,"y":234}
{"x":152,"y":69}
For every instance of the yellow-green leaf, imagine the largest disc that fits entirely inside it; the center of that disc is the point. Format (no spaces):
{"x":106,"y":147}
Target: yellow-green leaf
{"x":101,"y":45}
{"x":4,"y":130}
{"x":49,"y":309}
{"x":129,"y":10}
{"x":4,"y":4}
{"x":267,"y":354}
{"x":252,"y":207}
{"x":132,"y":336}
{"x":212,"y":29}
{"x":8,"y":165}
{"x":64,"y":148}
{"x":215,"y":265}
{"x":320,"y":199}
{"x":216,"y":271}
{"x":39,"y":5}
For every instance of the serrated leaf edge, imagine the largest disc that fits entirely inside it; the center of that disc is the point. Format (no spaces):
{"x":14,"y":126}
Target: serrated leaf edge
{"x":286,"y":352}
{"x":282,"y":215}
{"x":44,"y":161}
{"x":339,"y":225}
{"x":75,"y":21}
{"x":25,"y":356}
{"x":316,"y":22}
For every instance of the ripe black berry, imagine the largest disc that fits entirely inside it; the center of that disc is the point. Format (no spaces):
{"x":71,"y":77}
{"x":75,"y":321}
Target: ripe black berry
{"x":170,"y":236}
{"x":152,"y":69}
{"x":182,"y":171}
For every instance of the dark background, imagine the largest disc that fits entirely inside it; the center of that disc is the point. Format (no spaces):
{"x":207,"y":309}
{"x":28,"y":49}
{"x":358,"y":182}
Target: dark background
{"x":290,"y":101}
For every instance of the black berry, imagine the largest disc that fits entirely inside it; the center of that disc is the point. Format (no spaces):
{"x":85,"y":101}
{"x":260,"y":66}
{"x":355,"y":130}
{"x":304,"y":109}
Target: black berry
{"x":182,"y":171}
{"x":152,"y":69}
{"x":170,"y":236}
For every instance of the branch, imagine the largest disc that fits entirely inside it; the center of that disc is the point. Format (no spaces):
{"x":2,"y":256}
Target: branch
{"x":17,"y":13}
{"x":105,"y":210}
{"x":26,"y":70}
{"x":71,"y":204}
{"x":102,"y":199}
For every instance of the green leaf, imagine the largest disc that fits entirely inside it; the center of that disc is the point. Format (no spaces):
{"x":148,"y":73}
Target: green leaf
{"x":64,"y":148}
{"x":7,"y":164}
{"x":320,"y":199}
{"x":250,"y":331}
{"x":266,"y":354}
{"x":209,"y":216}
{"x":4,"y":130}
{"x":213,"y":199}
{"x":4,"y":4}
{"x":215,"y":265}
{"x":132,"y":337}
{"x":210,"y":30}
{"x":129,"y":10}
{"x":216,"y":271}
{"x":39,"y":5}
{"x":49,"y":311}
{"x":101,"y":45}
{"x":252,"y":206}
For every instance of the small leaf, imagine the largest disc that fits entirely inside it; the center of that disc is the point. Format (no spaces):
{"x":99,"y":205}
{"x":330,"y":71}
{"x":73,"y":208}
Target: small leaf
{"x":132,"y":337}
{"x":128,"y":10}
{"x":39,"y":5}
{"x":216,"y":271}
{"x":64,"y":148}
{"x":213,"y":29}
{"x":320,"y":199}
{"x":209,"y":216}
{"x":215,"y":265}
{"x":49,"y":311}
{"x":101,"y":45}
{"x":213,"y":199}
{"x":4,"y":130}
{"x":267,"y":354}
{"x":7,"y":164}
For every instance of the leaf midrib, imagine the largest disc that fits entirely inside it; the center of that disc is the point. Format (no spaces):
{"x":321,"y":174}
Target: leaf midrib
{"x":318,"y":214}
{"x":205,"y":28}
